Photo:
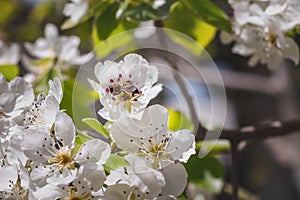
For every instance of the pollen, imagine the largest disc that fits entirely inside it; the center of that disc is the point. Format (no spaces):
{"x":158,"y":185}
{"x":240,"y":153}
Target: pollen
{"x":64,"y":158}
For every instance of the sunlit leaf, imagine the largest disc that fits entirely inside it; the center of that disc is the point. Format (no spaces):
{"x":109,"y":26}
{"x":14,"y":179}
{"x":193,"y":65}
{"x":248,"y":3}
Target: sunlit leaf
{"x":191,"y":26}
{"x":209,"y":12}
{"x":104,"y":47}
{"x":213,"y":147}
{"x":207,"y":173}
{"x":96,"y":125}
{"x":9,"y":71}
{"x":114,"y":162}
{"x":178,"y":121}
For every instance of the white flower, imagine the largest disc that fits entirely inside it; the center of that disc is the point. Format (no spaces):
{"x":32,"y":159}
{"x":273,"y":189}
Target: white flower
{"x":259,"y":32}
{"x":287,"y":10}
{"x":14,"y":182}
{"x":150,"y":138}
{"x":76,"y":10}
{"x":15,"y":96}
{"x":138,"y":181}
{"x":55,"y":153}
{"x":126,"y":87}
{"x":54,"y":51}
{"x":9,"y":55}
{"x":82,"y":185}
{"x":44,"y":109}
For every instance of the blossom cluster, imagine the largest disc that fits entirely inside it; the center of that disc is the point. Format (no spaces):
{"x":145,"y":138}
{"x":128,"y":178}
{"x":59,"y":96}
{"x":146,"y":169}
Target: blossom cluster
{"x":52,"y":52}
{"x":40,"y":158}
{"x":261,"y":28}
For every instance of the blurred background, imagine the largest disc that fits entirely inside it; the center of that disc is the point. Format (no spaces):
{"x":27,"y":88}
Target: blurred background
{"x":270,"y":169}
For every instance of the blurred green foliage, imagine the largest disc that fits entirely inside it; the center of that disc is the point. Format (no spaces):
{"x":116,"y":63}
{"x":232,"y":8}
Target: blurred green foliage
{"x":207,"y":173}
{"x":9,"y":71}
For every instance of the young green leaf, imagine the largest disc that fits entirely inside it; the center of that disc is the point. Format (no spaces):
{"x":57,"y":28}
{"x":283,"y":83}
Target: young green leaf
{"x":114,"y":162}
{"x":191,"y":26}
{"x":213,"y":147}
{"x":96,"y":125}
{"x":9,"y":71}
{"x":178,"y":121}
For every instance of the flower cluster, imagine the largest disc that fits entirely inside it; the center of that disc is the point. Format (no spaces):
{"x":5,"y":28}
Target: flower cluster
{"x":53,"y":52}
{"x":260,"y":30}
{"x":40,"y":158}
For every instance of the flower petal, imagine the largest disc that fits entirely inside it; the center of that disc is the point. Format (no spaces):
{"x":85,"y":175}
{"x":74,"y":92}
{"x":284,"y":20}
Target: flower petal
{"x":176,"y":179}
{"x":64,"y":129}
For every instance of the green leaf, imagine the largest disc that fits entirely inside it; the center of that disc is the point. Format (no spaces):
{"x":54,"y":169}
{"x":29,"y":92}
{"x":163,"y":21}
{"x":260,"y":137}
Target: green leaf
{"x":9,"y":71}
{"x":207,"y":173}
{"x":209,"y":12}
{"x":114,"y":162}
{"x":106,"y":22}
{"x":178,"y":121}
{"x":81,"y":138}
{"x":213,"y":146}
{"x":104,"y":47}
{"x":96,"y":125}
{"x":191,"y":26}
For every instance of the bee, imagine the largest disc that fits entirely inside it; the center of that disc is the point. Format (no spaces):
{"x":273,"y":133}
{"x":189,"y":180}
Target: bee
{"x":115,"y":89}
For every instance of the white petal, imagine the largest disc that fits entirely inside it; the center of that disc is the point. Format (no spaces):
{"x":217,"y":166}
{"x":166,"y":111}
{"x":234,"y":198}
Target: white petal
{"x":126,"y":132}
{"x":153,"y":92}
{"x":292,"y":50}
{"x":49,"y":192}
{"x":19,"y":85}
{"x":64,"y":178}
{"x":56,"y":89}
{"x":94,"y":150}
{"x":276,"y":8}
{"x":116,"y":192}
{"x":36,"y":146}
{"x":8,"y":102}
{"x":152,"y":180}
{"x":51,"y":109}
{"x":38,"y":176}
{"x":64,"y":129}
{"x":3,"y":84}
{"x":8,"y":174}
{"x":180,"y":142}
{"x":51,"y":31}
{"x":176,"y":179}
{"x":156,"y":117}
{"x":96,"y":86}
{"x":93,"y":174}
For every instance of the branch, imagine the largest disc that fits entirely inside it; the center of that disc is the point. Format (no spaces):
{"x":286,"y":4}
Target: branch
{"x":259,"y":132}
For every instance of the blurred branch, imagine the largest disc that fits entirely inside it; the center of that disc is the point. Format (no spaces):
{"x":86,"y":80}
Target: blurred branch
{"x":259,"y":132}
